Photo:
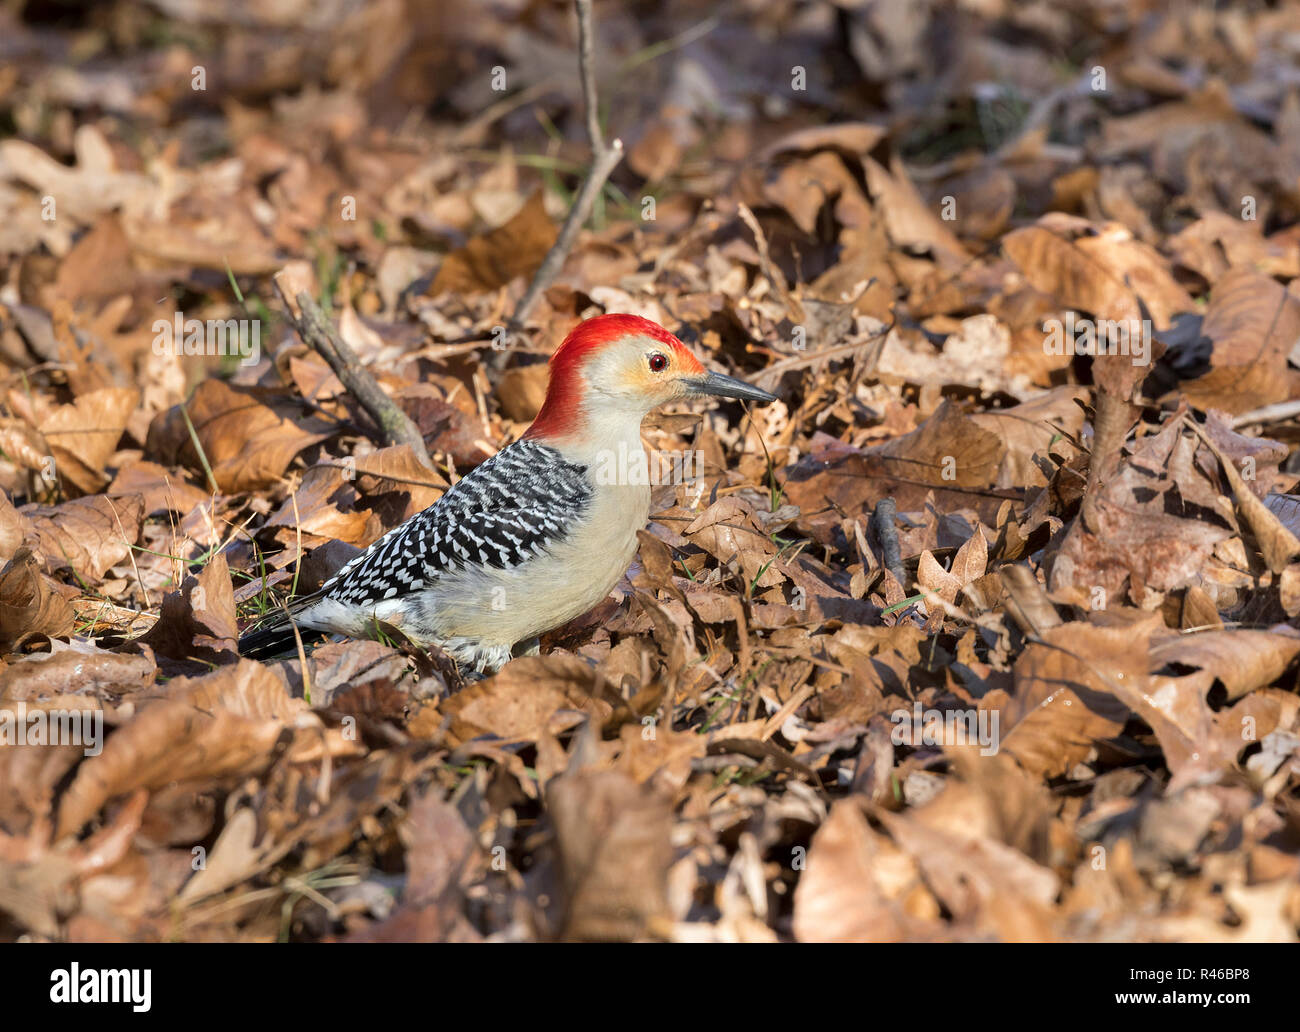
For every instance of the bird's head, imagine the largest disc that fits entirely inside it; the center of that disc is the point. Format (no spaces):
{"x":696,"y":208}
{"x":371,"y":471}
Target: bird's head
{"x":624,"y":365}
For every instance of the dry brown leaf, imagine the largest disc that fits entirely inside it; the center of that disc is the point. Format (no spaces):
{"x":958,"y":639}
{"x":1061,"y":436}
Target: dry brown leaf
{"x":803,"y":187}
{"x":248,"y":436}
{"x":495,"y":258}
{"x":1242,"y":660}
{"x":1155,"y":522}
{"x":92,"y":187}
{"x":529,"y":696}
{"x":1289,"y":589}
{"x":859,"y":886}
{"x":28,"y":605}
{"x":981,"y":882}
{"x":78,"y":668}
{"x":1218,"y":242}
{"x":324,"y":505}
{"x":82,"y":436}
{"x":163,"y":490}
{"x":1063,"y":701}
{"x":1253,"y":323}
{"x":614,"y":848}
{"x":728,"y":531}
{"x":222,"y":725}
{"x":856,"y":138}
{"x":1055,"y":266}
{"x":91,"y":535}
{"x":1275,"y":540}
{"x":439,"y":849}
{"x":99,"y":266}
{"x":198,"y":622}
{"x":26,"y":447}
{"x":910,"y":222}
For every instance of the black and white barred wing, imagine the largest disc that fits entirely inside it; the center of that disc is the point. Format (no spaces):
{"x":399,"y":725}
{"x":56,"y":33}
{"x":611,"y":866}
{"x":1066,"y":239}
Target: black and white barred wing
{"x":514,"y":506}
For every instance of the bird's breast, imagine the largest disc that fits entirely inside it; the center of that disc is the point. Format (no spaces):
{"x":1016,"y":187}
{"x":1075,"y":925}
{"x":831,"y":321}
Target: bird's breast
{"x":569,"y":578}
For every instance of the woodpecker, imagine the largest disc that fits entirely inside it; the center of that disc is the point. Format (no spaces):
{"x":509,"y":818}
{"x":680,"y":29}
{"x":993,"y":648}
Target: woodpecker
{"x":536,"y":535}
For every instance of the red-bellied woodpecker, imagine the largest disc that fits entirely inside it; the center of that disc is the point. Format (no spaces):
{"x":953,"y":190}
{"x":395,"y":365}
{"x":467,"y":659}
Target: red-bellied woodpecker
{"x":537,"y":534}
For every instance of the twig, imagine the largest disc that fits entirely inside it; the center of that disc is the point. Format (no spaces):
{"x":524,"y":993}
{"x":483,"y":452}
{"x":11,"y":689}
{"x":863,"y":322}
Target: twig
{"x":586,"y":43}
{"x":770,"y":271}
{"x":605,"y":157}
{"x":474,"y":129}
{"x":875,"y":339}
{"x":882,"y":522}
{"x":1268,"y":414}
{"x":320,"y":335}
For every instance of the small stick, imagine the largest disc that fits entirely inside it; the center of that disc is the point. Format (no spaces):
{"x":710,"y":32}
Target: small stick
{"x":319,"y":334}
{"x":882,"y":522}
{"x":605,"y":157}
{"x":587,"y":67}
{"x":1268,"y":414}
{"x":770,"y":271}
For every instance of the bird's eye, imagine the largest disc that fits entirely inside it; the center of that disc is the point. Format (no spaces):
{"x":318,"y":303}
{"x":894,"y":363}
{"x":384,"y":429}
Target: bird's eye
{"x":658,"y":362}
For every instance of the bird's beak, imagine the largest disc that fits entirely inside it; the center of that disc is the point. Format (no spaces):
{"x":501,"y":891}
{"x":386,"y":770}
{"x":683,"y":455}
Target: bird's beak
{"x":720,"y":386}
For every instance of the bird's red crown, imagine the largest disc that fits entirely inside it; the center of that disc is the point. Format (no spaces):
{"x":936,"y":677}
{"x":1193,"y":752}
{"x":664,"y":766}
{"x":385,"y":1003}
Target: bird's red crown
{"x":561,"y":410}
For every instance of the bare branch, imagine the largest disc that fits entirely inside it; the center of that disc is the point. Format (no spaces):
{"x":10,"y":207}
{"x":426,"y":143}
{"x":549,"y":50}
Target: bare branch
{"x":605,"y":157}
{"x":1275,"y":413}
{"x":319,"y":334}
{"x":587,"y":66}
{"x":882,"y":522}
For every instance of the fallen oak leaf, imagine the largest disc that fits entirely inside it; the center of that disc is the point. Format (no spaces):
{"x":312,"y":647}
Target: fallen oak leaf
{"x":1241,"y":659}
{"x":198,"y":622}
{"x":80,"y":668}
{"x":226,"y":724}
{"x":967,"y":565}
{"x":1063,"y":703}
{"x":615,"y":847}
{"x":728,"y":531}
{"x":492,"y":260}
{"x":28,"y":605}
{"x":40,"y":886}
{"x":1155,"y":521}
{"x":526,"y":698}
{"x":91,"y":534}
{"x":162,"y":489}
{"x":248,"y":436}
{"x":83,"y":436}
{"x":859,"y":886}
{"x":1253,"y":322}
{"x":439,"y":849}
{"x":1276,"y":542}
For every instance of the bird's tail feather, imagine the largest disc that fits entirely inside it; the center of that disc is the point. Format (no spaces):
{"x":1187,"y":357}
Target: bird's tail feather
{"x":273,"y":637}
{"x":274,"y":640}
{"x":267,"y":641}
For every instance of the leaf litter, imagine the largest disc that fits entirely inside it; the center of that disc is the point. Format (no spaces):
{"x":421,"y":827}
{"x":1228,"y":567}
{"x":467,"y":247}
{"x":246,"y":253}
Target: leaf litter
{"x":973,"y":635}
